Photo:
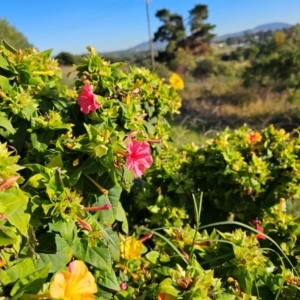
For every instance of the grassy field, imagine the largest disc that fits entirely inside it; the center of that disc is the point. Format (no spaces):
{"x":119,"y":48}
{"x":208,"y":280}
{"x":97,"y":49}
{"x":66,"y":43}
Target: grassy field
{"x":67,"y":80}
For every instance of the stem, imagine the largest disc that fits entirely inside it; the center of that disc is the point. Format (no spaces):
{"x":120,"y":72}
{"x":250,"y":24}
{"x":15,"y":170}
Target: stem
{"x":101,"y":188}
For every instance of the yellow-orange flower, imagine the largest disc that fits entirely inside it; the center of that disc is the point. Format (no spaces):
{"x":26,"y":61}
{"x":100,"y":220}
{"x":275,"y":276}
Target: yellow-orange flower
{"x":254,"y":137}
{"x":2,"y":263}
{"x":165,"y":296}
{"x":131,"y":248}
{"x":75,"y":284}
{"x":176,"y":82}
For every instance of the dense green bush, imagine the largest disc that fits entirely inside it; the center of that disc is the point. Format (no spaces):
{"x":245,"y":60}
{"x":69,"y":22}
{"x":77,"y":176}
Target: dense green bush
{"x":89,"y":180}
{"x":276,"y":62}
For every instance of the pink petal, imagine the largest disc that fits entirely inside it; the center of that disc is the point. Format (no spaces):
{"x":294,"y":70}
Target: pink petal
{"x":139,"y":157}
{"x":87,"y":100}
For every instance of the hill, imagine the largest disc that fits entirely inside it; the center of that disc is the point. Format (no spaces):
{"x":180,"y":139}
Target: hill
{"x":265,"y":27}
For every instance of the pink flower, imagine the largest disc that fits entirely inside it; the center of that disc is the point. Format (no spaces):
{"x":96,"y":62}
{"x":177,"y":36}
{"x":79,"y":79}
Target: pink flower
{"x":261,"y":235}
{"x":87,"y":100}
{"x":123,"y":286}
{"x":138,"y":157}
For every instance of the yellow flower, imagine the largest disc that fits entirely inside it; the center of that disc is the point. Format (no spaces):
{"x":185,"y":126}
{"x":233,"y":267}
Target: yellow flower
{"x":131,"y":248}
{"x":75,"y":284}
{"x":176,"y":82}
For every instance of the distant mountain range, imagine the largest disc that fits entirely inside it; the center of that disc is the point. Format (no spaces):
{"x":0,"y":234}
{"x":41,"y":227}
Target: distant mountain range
{"x":162,"y":45}
{"x":266,"y":27}
{"x":145,"y":46}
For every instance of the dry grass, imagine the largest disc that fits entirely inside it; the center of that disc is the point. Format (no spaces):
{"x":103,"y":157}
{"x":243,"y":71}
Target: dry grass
{"x":68,"y":80}
{"x":220,"y":102}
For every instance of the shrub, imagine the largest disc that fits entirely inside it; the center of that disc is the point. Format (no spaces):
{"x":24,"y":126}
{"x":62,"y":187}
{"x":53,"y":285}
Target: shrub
{"x":72,"y":194}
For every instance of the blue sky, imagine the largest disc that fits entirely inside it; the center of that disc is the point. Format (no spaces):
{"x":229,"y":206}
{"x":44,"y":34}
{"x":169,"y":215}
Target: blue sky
{"x":107,"y":25}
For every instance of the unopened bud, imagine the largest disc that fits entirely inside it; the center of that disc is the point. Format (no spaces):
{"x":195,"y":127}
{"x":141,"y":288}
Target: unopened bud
{"x":84,"y":224}
{"x":99,"y":207}
{"x":8,"y":183}
{"x":106,"y":135}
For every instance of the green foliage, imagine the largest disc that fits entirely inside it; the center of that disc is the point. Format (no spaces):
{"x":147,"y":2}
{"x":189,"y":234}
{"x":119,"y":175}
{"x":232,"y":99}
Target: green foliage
{"x":70,"y":162}
{"x":12,"y":35}
{"x":68,"y":191}
{"x":276,"y":63}
{"x":174,"y":32}
{"x":67,"y":59}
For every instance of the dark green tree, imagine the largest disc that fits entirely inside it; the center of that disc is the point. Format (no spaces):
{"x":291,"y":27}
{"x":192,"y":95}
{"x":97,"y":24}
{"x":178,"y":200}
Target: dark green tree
{"x":11,"y":35}
{"x":172,"y":31}
{"x":200,"y":31}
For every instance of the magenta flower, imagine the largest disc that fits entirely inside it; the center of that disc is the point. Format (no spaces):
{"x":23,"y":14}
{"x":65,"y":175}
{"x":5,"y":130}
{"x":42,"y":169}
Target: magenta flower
{"x":87,"y":100}
{"x":138,"y":157}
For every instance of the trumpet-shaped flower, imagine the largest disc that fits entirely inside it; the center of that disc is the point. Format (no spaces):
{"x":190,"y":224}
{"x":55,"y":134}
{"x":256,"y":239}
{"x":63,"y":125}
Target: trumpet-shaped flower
{"x":131,"y":248}
{"x":75,"y":284}
{"x":260,"y":235}
{"x":87,"y":100}
{"x":138,"y":157}
{"x":176,"y":82}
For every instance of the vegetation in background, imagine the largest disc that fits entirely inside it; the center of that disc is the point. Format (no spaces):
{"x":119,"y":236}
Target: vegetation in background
{"x":174,"y":32}
{"x":12,"y":35}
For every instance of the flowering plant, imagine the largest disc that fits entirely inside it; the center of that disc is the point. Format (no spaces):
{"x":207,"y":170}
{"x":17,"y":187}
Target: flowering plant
{"x":86,"y":173}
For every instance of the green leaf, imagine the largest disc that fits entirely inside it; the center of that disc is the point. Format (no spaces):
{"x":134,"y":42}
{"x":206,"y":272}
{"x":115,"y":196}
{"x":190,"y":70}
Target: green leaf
{"x":109,"y":280}
{"x":100,"y":150}
{"x":4,"y":84}
{"x":167,"y":286}
{"x":28,"y":111}
{"x":16,"y":204}
{"x":9,"y":47}
{"x":55,"y":162}
{"x":121,"y":217}
{"x":55,"y":185}
{"x":5,"y":123}
{"x":55,"y":250}
{"x":37,"y":181}
{"x":92,"y":166}
{"x":7,"y":236}
{"x":41,"y":140}
{"x":245,"y":280}
{"x":17,"y":271}
{"x":18,"y":139}
{"x":73,"y":177}
{"x":153,"y":256}
{"x":98,"y":257}
{"x":3,"y":63}
{"x":113,"y":198}
{"x":113,"y":242}
{"x":31,"y":283}
{"x":36,"y":168}
{"x":66,"y":229}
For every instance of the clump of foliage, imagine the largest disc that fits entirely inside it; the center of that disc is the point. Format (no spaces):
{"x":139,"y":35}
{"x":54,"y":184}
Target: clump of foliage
{"x":12,"y":35}
{"x":276,"y":62}
{"x":173,"y":31}
{"x":81,"y":169}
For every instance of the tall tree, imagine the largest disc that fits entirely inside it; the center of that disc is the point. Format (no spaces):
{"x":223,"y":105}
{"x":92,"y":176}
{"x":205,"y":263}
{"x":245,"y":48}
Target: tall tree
{"x":11,"y":35}
{"x":201,"y":34}
{"x":172,"y":31}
